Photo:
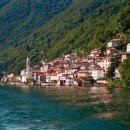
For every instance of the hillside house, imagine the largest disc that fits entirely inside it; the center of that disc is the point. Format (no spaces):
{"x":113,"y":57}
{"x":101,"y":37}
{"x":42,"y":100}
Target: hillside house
{"x":96,"y":53}
{"x":71,"y":69}
{"x":111,"y":51}
{"x":105,"y":63}
{"x":45,"y":67}
{"x":125,"y":56}
{"x":113,"y":43}
{"x":70,"y":57}
{"x":128,"y":47}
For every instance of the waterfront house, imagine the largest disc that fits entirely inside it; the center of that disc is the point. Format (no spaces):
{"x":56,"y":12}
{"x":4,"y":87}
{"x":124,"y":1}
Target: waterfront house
{"x":97,"y":72}
{"x":61,"y":80}
{"x":41,"y":78}
{"x":36,"y":75}
{"x":52,"y":76}
{"x":23,"y":76}
{"x":26,"y":73}
{"x":83,"y":74}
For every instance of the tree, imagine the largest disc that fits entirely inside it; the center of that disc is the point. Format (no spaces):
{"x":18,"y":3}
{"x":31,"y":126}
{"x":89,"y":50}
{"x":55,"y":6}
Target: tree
{"x":125,"y":72}
{"x":124,"y":18}
{"x":114,"y":64}
{"x":1,"y":75}
{"x":110,"y":72}
{"x":90,"y":79}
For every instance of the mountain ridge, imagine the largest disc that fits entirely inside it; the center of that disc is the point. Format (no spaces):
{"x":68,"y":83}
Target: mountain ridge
{"x":84,"y":25}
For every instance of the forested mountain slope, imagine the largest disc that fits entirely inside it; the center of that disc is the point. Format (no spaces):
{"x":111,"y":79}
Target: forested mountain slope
{"x":19,"y":18}
{"x":81,"y":25}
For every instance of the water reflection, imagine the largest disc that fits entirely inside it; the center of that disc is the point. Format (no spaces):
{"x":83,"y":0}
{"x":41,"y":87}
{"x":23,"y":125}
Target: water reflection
{"x":64,"y":108}
{"x":79,"y":96}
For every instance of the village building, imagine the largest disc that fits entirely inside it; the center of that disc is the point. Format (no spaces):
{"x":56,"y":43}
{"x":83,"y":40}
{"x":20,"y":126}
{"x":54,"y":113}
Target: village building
{"x":124,"y":56}
{"x":83,"y":74}
{"x":105,"y":63}
{"x":111,"y":51}
{"x":28,"y":69}
{"x":71,"y":69}
{"x":96,"y":53}
{"x":52,"y":76}
{"x":117,"y":73}
{"x":45,"y":67}
{"x":10,"y":75}
{"x":83,"y":66}
{"x":62,"y":80}
{"x":128,"y":47}
{"x":7,"y":77}
{"x":70,"y":57}
{"x":65,"y":79}
{"x":97,"y":73}
{"x":113,"y":43}
{"x":36,"y":75}
{"x":26,"y":73}
{"x":41,"y":78}
{"x":23,"y":76}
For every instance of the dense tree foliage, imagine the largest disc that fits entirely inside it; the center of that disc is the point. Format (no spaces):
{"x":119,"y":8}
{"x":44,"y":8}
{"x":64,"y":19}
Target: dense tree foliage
{"x":19,"y":18}
{"x":50,"y":28}
{"x":115,"y":62}
{"x":125,"y":72}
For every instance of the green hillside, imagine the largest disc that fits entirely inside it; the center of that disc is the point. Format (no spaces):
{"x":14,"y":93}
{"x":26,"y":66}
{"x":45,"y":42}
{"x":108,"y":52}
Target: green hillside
{"x":82,"y":26}
{"x":19,"y":18}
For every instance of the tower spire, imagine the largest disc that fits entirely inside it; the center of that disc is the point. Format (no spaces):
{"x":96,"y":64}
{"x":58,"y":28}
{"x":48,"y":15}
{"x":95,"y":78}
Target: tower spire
{"x":28,"y":68}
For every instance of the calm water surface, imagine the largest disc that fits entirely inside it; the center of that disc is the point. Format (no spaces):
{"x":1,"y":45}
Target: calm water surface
{"x":64,"y":108}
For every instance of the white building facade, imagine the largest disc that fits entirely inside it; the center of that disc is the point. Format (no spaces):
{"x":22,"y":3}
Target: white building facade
{"x":28,"y":69}
{"x":105,"y":64}
{"x":128,"y":47}
{"x":26,"y":73}
{"x":97,"y":73}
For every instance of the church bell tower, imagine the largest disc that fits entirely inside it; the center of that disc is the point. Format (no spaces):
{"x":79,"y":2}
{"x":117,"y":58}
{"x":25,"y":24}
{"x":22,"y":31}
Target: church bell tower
{"x":28,"y":69}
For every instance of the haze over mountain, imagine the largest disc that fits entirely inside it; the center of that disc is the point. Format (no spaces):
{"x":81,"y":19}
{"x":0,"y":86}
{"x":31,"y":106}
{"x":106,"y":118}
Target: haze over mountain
{"x":56,"y":27}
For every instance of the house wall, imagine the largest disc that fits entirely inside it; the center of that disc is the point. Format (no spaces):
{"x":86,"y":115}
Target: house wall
{"x":117,"y":74}
{"x":124,"y":57}
{"x":112,"y":44}
{"x":51,"y":78}
{"x":70,"y":71}
{"x":81,"y":74}
{"x":23,"y":79}
{"x":104,"y":64}
{"x":128,"y":47}
{"x":97,"y":74}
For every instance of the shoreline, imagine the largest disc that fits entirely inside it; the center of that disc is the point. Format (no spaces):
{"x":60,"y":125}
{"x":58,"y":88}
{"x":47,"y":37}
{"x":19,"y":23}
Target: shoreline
{"x":51,"y":85}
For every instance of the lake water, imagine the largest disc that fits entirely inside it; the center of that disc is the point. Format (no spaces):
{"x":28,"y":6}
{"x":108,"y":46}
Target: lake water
{"x":64,"y":108}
